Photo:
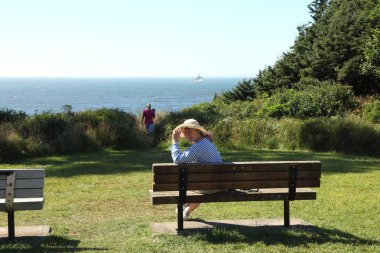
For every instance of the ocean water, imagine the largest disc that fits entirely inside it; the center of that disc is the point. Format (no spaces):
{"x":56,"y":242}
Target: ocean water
{"x":35,"y":95}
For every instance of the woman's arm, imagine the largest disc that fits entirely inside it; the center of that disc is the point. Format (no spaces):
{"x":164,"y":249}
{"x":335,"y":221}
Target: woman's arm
{"x":189,"y":155}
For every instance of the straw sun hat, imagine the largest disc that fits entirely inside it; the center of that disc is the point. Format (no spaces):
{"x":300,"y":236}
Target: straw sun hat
{"x":191,"y":123}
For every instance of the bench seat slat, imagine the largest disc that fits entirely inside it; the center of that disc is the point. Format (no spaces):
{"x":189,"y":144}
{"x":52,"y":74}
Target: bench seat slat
{"x":234,"y":176}
{"x":24,"y":183}
{"x":21,"y":204}
{"x":171,"y":197}
{"x":236,"y":185}
{"x":25,"y":193}
{"x":167,"y":168}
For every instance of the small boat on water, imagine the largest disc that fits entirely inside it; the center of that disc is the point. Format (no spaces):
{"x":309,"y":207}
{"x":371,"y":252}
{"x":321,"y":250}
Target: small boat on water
{"x":198,"y":79}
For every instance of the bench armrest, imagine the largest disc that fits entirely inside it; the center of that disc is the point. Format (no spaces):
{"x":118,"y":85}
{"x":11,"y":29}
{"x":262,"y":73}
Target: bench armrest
{"x":9,"y":189}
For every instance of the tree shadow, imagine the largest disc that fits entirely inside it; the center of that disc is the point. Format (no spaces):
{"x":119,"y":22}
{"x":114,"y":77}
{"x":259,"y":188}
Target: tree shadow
{"x":43,"y":244}
{"x":331,"y":162}
{"x":104,"y":162}
{"x":295,"y":236}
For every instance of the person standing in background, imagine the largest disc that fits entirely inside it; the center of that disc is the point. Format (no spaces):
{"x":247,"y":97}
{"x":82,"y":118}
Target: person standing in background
{"x":147,"y":118}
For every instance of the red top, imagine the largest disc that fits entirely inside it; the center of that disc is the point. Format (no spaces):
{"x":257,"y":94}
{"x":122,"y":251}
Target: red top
{"x":148,"y":116}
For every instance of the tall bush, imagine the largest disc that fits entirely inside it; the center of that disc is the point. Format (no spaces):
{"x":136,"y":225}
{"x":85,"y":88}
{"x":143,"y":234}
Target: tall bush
{"x":371,"y":111}
{"x":325,"y":100}
{"x":9,"y":115}
{"x":118,"y":129}
{"x":342,"y":134}
{"x":315,"y":134}
{"x":69,"y":132}
{"x":11,"y":143}
{"x":356,"y":136}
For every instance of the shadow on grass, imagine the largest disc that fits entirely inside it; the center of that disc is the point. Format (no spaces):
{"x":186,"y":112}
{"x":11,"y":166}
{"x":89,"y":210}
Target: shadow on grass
{"x":107,"y":162}
{"x":331,"y":162}
{"x":104,"y":162}
{"x":297,"y":235}
{"x":44,"y":244}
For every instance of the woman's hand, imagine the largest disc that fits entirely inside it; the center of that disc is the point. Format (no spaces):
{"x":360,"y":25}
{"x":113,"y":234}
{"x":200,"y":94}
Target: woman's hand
{"x":175,"y":135}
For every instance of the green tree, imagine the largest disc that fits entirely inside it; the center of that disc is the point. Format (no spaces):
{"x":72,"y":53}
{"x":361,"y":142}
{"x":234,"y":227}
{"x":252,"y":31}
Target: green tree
{"x":371,"y":47}
{"x":318,"y":8}
{"x":341,"y":45}
{"x":244,"y":90}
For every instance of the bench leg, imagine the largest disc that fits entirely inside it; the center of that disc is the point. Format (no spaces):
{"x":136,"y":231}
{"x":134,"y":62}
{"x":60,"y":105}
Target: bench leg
{"x":286,"y":213}
{"x":11,"y":225}
{"x":179,"y":218}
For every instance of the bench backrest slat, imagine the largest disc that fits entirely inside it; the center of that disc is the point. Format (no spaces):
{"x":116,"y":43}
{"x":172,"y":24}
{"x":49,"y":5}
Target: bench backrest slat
{"x":26,"y":173}
{"x":236,"y":185}
{"x":168,"y":168}
{"x":25,"y":184}
{"x":242,"y":175}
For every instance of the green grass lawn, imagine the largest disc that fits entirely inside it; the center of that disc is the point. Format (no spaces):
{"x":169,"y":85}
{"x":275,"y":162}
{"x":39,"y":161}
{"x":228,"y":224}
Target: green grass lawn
{"x":99,"y":202}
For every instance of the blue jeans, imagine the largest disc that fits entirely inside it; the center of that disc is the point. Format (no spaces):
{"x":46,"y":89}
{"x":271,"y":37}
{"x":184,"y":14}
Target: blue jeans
{"x":149,"y":128}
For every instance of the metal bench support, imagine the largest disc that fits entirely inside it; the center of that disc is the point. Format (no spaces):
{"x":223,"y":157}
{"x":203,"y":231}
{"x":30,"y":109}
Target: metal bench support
{"x":182,"y":185}
{"x":9,"y":201}
{"x":286,"y":213}
{"x":11,"y":225}
{"x":291,"y":194}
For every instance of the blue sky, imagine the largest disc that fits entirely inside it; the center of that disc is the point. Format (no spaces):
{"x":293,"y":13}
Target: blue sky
{"x":145,"y":38}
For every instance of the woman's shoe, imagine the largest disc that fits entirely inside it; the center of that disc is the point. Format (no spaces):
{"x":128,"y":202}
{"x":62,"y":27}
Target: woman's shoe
{"x":186,"y":213}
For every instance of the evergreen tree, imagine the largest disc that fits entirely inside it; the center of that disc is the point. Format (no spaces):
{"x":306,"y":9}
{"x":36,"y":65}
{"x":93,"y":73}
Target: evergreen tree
{"x":317,"y":8}
{"x":341,"y":45}
{"x":333,"y":48}
{"x":243,"y":91}
{"x":371,"y":47}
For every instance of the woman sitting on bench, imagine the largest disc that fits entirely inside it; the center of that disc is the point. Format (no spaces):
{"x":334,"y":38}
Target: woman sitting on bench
{"x":202,"y":151}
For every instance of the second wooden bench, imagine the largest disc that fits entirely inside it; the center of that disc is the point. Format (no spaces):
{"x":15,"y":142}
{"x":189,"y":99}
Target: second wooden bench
{"x":20,"y":189}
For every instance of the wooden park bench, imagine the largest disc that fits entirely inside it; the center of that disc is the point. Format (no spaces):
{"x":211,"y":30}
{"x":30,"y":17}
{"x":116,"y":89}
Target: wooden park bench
{"x":20,"y":189}
{"x":280,"y":180}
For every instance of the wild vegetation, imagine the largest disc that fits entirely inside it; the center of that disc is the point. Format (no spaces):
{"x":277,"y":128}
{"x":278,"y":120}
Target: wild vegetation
{"x":340,"y":46}
{"x":67,"y":132}
{"x":323,"y":95}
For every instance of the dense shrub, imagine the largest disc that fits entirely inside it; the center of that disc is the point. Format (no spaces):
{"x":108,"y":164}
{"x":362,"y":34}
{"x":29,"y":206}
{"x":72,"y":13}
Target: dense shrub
{"x":69,"y":132}
{"x":316,"y":134}
{"x":325,"y":100}
{"x":353,"y":135}
{"x":46,"y":126}
{"x":341,"y":134}
{"x":309,"y":117}
{"x":118,"y":129}
{"x":222,"y":131}
{"x":11,"y":144}
{"x":8,"y":115}
{"x":258,"y":133}
{"x":238,"y":109}
{"x":372,"y":111}
{"x":349,"y":134}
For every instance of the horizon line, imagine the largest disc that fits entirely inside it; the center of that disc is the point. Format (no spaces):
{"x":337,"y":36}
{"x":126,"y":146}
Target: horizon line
{"x":122,"y":77}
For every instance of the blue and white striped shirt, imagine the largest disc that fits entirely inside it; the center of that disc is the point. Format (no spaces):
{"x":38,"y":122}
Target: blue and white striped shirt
{"x":203,"y":151}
